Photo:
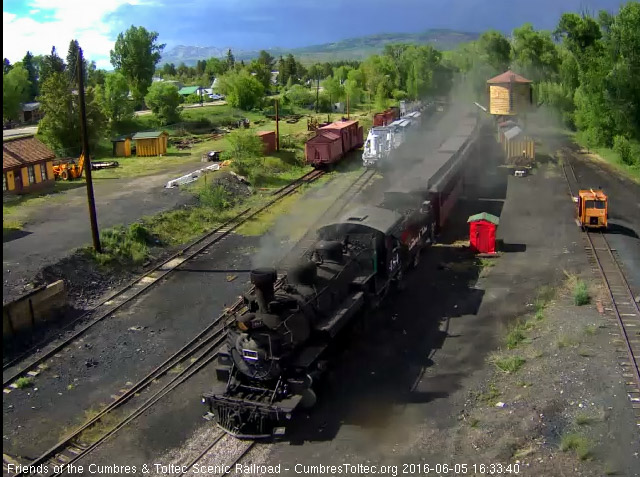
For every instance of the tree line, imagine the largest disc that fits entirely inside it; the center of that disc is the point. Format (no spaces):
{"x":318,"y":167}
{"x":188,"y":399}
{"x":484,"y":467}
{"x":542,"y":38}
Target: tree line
{"x":586,"y":70}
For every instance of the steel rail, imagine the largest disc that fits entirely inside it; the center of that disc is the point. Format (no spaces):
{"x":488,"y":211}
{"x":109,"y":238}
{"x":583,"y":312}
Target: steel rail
{"x":223,"y":230}
{"x":607,"y":281}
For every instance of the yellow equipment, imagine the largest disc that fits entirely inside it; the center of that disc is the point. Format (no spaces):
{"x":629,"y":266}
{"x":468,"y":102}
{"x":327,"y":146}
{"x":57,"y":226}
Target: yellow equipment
{"x":593,"y":209}
{"x":69,"y":170}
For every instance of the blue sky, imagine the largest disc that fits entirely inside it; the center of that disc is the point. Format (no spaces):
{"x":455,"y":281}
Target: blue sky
{"x":252,"y":24}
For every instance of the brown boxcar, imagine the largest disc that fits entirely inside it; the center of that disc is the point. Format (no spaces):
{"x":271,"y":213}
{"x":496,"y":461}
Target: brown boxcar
{"x":350,"y":132}
{"x":268,"y":140}
{"x":325,"y":148}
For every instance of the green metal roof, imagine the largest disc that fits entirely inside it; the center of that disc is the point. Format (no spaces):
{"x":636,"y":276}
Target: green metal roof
{"x":485,"y":216}
{"x":187,"y":90}
{"x":148,"y":135}
{"x":121,"y":138}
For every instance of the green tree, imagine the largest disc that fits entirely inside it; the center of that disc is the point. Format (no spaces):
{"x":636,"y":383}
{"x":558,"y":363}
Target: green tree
{"x":299,"y":95}
{"x":215,"y":67}
{"x":264,"y":58}
{"x":282,"y":72}
{"x":290,"y":68}
{"x":201,"y":65}
{"x":497,"y":50}
{"x":29,"y":64}
{"x":534,"y":53}
{"x":231,"y":60}
{"x":60,"y":126}
{"x":241,"y":89}
{"x":164,"y":101}
{"x":135,"y":55}
{"x":72,"y":62}
{"x":95,"y":76}
{"x":334,"y":89}
{"x":262,"y":73}
{"x":15,"y":90}
{"x":168,"y":69}
{"x":50,"y":64}
{"x":354,"y":91}
{"x":117,"y":105}
{"x":381,"y":98}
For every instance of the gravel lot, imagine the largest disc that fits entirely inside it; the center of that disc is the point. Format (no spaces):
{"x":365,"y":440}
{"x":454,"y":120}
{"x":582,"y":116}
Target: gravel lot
{"x":419,"y":387}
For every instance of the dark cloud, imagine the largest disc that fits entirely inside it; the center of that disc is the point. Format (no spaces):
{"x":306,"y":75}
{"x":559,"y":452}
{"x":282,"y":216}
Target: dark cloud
{"x":253,"y":24}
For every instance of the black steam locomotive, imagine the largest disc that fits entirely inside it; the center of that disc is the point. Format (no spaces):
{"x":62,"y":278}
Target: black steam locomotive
{"x":278,"y":346}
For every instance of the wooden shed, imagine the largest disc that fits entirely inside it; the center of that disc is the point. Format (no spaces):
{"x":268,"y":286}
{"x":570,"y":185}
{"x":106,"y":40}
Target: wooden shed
{"x":121,"y":146}
{"x":518,"y":145}
{"x":268,"y":139}
{"x":509,"y":94}
{"x":27,"y":164}
{"x":482,"y":232}
{"x":152,"y":143}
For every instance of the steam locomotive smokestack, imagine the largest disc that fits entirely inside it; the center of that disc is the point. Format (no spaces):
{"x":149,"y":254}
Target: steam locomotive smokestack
{"x":264,"y":279}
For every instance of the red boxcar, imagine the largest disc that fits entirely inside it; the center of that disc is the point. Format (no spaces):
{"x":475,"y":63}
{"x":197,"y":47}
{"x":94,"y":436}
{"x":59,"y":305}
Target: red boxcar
{"x":325,"y":148}
{"x":386,"y":117}
{"x":268,"y":140}
{"x":350,"y":132}
{"x":332,"y":142}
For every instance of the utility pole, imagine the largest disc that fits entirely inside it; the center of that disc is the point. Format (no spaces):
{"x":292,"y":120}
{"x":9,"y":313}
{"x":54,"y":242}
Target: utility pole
{"x":87,"y":160}
{"x":317,"y":93}
{"x":347,"y":105}
{"x":277,"y":128}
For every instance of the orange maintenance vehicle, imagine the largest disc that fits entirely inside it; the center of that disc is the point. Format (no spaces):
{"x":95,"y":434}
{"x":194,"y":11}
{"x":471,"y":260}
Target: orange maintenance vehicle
{"x":593,"y":209}
{"x":67,"y":170}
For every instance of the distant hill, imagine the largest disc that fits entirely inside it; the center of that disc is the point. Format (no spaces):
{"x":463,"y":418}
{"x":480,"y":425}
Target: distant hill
{"x":348,"y":49}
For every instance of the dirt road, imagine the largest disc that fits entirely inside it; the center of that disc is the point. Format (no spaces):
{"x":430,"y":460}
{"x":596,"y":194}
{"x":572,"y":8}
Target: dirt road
{"x":54,"y":229}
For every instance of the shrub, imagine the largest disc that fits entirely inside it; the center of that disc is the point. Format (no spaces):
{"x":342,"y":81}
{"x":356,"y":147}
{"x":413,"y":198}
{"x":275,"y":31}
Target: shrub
{"x":245,"y":144}
{"x":24,"y":382}
{"x":578,"y":443}
{"x":622,"y":147}
{"x":581,"y":293}
{"x":509,"y":365}
{"x":215,"y":197}
{"x":516,"y":336}
{"x":124,"y":245}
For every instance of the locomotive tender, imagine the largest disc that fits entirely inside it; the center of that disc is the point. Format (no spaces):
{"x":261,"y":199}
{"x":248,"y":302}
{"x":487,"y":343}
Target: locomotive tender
{"x":279,"y":345}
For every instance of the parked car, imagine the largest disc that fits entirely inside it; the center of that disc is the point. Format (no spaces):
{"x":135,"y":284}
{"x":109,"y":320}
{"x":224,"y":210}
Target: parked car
{"x":216,"y":97}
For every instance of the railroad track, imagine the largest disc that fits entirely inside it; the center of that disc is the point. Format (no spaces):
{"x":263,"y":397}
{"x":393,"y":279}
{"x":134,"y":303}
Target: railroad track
{"x":194,"y":356}
{"x":302,"y":247}
{"x":211,"y":449}
{"x":140,"y":285}
{"x":624,"y":307}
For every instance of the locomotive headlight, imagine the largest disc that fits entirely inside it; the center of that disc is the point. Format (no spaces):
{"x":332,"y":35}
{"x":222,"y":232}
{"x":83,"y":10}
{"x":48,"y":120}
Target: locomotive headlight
{"x":288,"y":415}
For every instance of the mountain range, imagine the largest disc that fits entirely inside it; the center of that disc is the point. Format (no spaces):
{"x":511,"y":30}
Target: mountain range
{"x":348,"y":49}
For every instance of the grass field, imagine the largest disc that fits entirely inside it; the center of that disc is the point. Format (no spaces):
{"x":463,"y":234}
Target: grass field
{"x":611,"y":157}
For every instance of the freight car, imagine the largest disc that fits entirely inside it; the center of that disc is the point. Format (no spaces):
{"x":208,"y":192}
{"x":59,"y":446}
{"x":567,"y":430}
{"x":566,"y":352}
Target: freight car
{"x":278,"y":348}
{"x":332,"y":142}
{"x":386,"y":117}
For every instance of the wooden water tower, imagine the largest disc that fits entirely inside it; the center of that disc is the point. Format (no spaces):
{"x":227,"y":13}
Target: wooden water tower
{"x":509,"y":94}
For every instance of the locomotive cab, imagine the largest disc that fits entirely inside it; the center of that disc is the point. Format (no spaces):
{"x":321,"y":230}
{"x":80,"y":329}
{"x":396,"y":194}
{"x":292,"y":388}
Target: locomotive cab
{"x":593,"y":210}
